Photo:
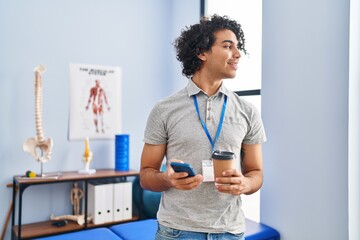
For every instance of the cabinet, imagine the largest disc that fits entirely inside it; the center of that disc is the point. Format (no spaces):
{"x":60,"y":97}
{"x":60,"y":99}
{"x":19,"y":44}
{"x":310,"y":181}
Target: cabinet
{"x":39,"y":229}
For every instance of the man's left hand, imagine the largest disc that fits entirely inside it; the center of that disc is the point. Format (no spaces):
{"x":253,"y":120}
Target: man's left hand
{"x":232,"y":182}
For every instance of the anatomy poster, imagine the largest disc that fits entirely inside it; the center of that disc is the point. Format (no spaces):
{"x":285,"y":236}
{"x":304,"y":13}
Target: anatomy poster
{"x":94,"y":102}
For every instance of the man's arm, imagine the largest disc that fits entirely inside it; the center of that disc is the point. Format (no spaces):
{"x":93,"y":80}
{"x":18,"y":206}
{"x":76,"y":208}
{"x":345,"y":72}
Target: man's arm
{"x":250,"y":179}
{"x":252,"y":166}
{"x":151,"y":178}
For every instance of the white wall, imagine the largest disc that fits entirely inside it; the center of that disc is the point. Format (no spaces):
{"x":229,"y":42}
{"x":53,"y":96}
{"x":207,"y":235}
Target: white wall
{"x":179,"y":23}
{"x":354,"y":120}
{"x":135,"y":35}
{"x":305,"y":111}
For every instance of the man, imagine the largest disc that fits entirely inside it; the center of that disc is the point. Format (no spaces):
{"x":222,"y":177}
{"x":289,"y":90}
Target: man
{"x":192,"y":208}
{"x":98,"y":97}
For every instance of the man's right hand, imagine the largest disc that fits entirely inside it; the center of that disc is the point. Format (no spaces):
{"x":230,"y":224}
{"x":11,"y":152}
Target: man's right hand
{"x":179,"y":180}
{"x":151,"y":178}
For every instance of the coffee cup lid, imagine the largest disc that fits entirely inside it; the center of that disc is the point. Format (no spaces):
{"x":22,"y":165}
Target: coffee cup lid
{"x":223,"y":155}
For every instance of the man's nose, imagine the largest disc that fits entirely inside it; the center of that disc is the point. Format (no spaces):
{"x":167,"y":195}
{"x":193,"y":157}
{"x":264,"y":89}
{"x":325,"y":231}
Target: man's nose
{"x":237,"y":53}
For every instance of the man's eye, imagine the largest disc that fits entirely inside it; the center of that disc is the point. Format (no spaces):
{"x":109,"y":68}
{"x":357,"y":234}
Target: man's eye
{"x":227,"y":46}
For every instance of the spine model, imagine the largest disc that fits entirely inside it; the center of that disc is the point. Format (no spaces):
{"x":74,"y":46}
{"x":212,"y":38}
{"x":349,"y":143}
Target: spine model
{"x":39,"y":147}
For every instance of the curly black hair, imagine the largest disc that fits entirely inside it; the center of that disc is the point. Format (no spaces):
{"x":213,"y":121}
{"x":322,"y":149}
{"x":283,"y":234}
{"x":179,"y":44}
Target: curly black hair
{"x":199,"y":38}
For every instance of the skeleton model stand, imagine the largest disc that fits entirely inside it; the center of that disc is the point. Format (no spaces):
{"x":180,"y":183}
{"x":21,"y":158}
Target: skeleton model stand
{"x":37,"y":146}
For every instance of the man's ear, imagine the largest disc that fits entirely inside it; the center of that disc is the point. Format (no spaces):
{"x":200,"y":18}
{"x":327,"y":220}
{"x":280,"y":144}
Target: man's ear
{"x":202,"y":57}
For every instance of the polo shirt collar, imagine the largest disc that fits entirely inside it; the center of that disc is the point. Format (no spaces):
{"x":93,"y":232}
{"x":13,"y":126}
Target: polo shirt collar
{"x":193,"y":89}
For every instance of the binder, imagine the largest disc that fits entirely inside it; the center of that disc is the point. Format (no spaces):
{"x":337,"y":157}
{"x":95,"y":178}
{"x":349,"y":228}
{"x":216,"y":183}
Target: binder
{"x":118,"y":201}
{"x":122,"y":201}
{"x":108,"y":202}
{"x":94,"y":203}
{"x":100,"y":202}
{"x":127,"y":200}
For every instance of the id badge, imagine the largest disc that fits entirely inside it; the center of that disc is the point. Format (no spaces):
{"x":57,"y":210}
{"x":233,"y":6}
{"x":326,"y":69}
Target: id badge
{"x":207,"y":170}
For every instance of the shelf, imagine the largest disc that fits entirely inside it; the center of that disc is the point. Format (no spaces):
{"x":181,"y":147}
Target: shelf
{"x":91,"y":225}
{"x":41,"y":229}
{"x":75,"y":176}
{"x":45,"y":228}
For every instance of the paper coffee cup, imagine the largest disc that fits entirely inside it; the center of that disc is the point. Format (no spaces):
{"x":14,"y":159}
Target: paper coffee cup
{"x":222,"y":160}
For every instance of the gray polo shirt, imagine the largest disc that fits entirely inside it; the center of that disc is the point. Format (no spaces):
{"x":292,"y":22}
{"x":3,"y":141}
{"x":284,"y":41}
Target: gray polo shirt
{"x":174,"y":121}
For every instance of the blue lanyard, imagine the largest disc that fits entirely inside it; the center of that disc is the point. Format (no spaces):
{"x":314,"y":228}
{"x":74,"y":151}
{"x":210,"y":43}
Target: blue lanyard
{"x":203,"y":123}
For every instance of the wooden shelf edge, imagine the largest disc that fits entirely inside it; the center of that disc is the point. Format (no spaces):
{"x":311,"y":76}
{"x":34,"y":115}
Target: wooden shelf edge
{"x":107,"y":224}
{"x":41,"y":229}
{"x":75,"y":176}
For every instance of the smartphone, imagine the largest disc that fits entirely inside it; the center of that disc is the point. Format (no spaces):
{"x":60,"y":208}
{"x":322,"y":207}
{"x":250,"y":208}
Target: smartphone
{"x":183,"y":167}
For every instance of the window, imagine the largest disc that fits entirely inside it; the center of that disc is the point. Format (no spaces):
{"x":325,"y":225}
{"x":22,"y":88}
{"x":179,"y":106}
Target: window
{"x":248,"y":79}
